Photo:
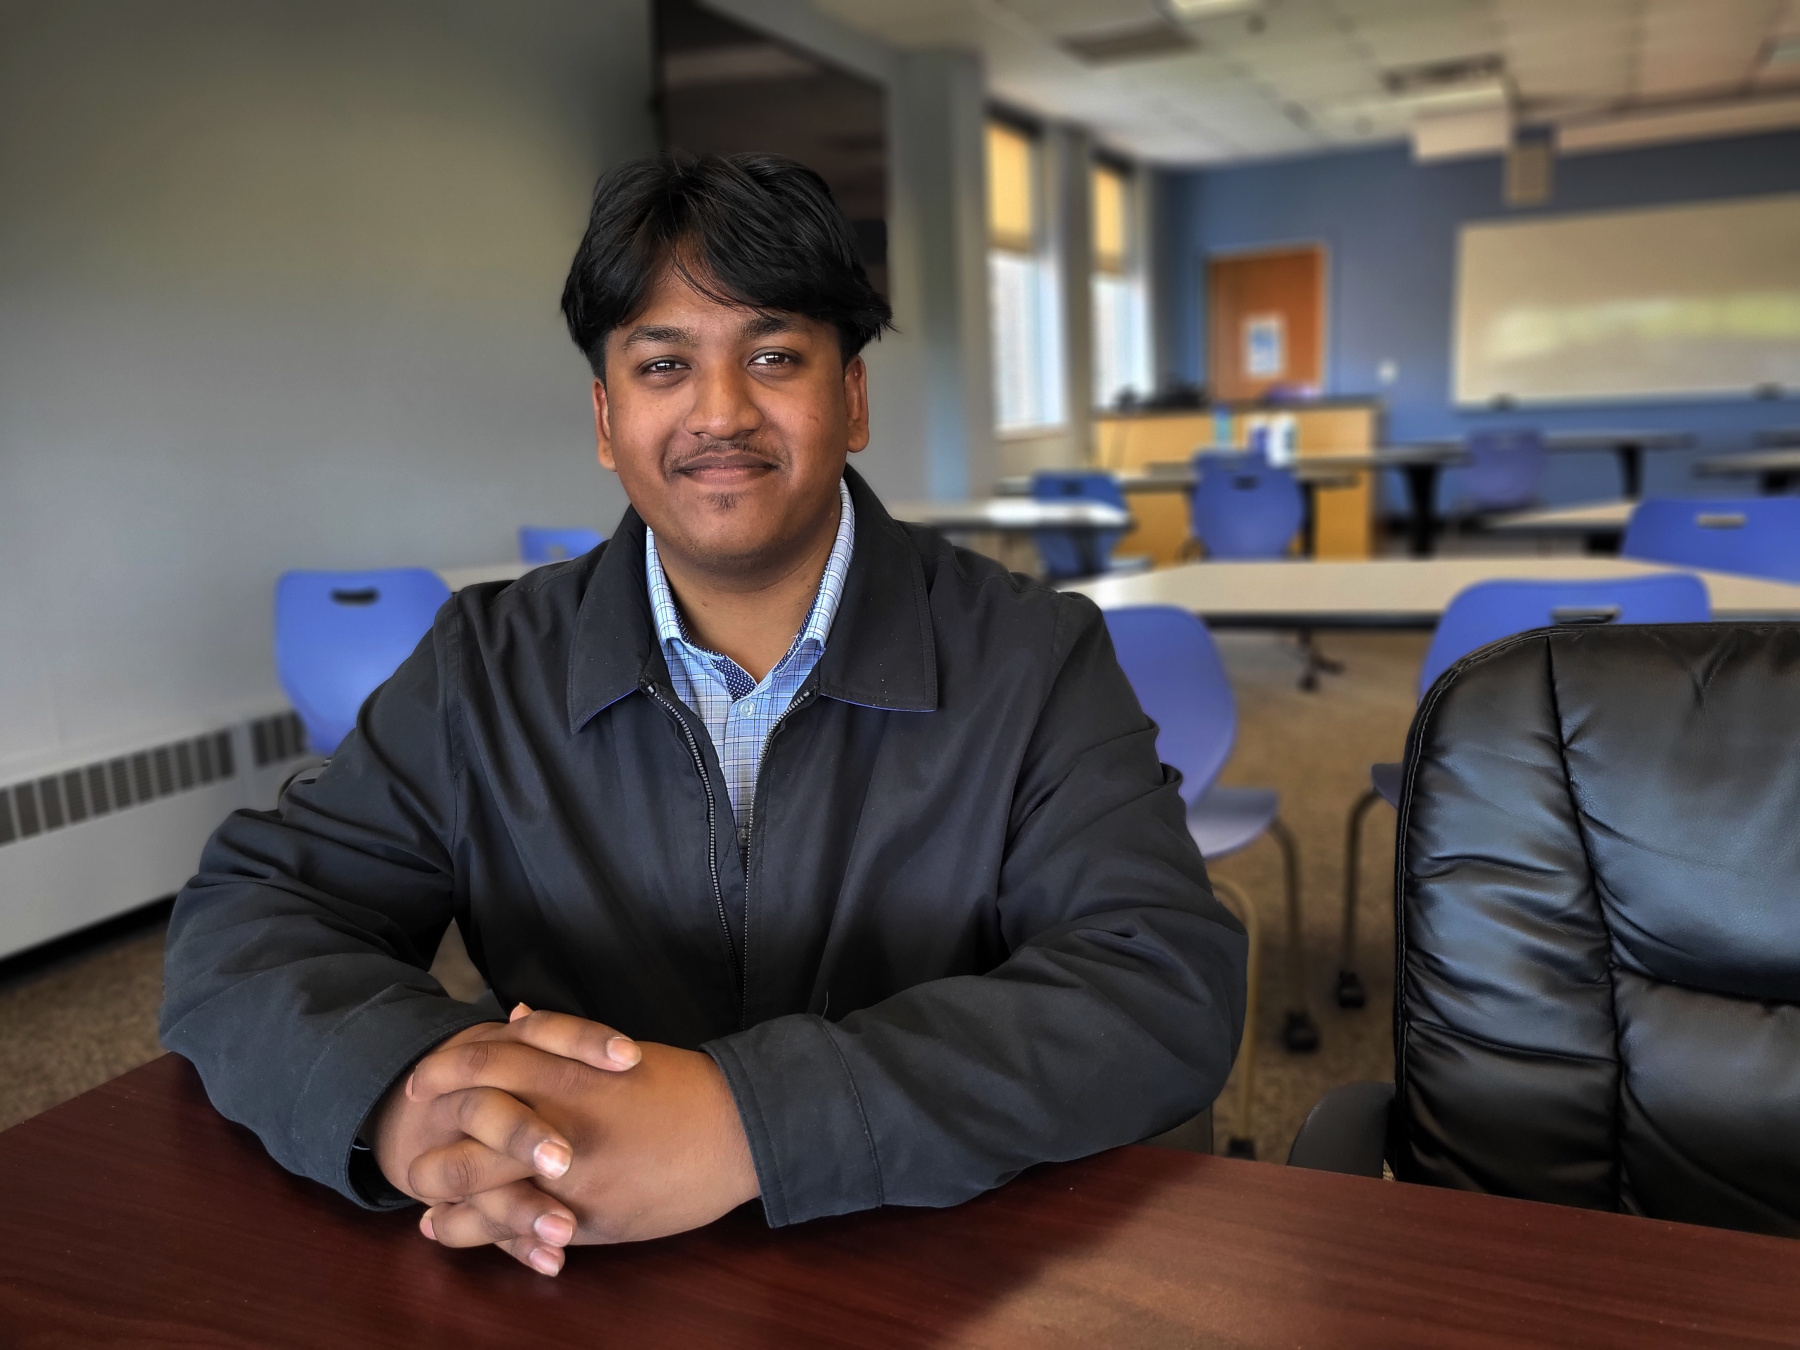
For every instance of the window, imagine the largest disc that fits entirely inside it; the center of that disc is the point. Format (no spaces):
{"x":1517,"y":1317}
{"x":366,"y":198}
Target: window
{"x":1121,"y":317}
{"x":1021,"y":287}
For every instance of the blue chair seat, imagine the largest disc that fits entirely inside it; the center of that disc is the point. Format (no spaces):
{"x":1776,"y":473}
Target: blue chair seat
{"x":1226,"y":819}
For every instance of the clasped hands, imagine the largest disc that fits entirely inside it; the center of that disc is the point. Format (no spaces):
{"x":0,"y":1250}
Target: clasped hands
{"x":550,"y":1129}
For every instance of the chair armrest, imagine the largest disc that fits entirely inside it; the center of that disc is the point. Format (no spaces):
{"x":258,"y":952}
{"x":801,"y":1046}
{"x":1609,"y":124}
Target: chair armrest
{"x":1346,"y":1131}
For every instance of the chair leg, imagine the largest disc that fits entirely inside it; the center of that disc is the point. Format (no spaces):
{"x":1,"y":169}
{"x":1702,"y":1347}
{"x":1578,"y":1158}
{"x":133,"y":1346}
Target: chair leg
{"x":1299,"y":1033}
{"x":1315,"y":662}
{"x":1241,"y":1143}
{"x":1350,"y":990}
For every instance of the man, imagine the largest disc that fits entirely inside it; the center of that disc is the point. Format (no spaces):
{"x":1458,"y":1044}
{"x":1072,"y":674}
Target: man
{"x":837,"y":862}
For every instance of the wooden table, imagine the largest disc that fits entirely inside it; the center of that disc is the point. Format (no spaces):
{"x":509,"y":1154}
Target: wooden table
{"x":136,"y":1216}
{"x":1392,"y":592}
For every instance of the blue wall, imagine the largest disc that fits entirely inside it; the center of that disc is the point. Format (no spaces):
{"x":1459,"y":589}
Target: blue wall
{"x":1390,"y":228}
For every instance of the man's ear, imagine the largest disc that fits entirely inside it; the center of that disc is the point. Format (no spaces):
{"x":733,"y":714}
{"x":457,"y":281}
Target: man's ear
{"x":603,"y":426}
{"x":856,"y":403}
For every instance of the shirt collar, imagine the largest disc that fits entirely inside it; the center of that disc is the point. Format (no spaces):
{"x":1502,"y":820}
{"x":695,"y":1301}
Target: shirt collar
{"x":670,"y":627}
{"x":885,"y":655}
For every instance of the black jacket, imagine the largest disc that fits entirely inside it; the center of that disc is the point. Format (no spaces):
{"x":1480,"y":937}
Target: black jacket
{"x":970,"y":931}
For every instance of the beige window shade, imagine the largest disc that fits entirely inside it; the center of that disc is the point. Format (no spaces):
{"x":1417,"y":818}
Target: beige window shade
{"x":1110,"y":232}
{"x":1012,"y":188}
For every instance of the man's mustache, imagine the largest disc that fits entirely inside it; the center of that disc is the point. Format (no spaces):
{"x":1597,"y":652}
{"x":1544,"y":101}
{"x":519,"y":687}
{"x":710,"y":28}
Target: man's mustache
{"x":723,"y":454}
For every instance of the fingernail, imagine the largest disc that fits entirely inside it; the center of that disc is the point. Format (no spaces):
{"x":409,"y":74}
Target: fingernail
{"x":554,"y":1228}
{"x":519,"y":1010}
{"x":425,"y":1226}
{"x":552,"y":1158}
{"x":622,"y":1050}
{"x":545,"y":1260}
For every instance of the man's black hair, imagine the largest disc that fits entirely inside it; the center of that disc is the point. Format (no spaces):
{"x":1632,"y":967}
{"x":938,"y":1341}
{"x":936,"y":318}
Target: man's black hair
{"x":754,"y":230}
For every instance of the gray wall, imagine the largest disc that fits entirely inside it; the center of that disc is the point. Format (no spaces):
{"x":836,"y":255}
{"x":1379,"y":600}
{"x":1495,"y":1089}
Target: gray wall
{"x":278,"y":289}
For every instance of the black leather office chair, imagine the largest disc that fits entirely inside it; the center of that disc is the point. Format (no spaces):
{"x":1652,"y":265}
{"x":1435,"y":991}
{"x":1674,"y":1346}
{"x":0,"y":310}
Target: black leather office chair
{"x":1598,"y":931}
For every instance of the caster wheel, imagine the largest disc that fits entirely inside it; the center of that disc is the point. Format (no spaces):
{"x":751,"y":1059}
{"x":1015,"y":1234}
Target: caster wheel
{"x":1350,"y":991}
{"x":1241,"y":1148}
{"x":1299,"y":1033}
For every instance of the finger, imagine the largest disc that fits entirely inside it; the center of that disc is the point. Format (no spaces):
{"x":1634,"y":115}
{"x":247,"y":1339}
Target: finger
{"x":519,"y":1212}
{"x":593,"y":1043}
{"x":542,"y":1257}
{"x":498,"y":1062}
{"x":506,"y":1125}
{"x":502,"y":1141}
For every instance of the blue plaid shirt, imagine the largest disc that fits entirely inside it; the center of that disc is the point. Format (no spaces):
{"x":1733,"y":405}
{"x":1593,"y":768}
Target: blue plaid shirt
{"x":739,"y":712}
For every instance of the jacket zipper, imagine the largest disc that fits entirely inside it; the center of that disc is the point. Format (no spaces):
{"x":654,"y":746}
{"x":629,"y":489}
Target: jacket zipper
{"x":769,"y":740}
{"x":712,"y":825}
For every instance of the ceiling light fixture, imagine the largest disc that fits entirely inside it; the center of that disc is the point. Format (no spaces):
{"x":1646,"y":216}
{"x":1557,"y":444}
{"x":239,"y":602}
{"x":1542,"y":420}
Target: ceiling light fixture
{"x":1135,"y":42}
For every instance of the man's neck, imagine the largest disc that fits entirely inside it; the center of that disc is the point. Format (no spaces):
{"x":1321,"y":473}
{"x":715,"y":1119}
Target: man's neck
{"x":752,"y":617}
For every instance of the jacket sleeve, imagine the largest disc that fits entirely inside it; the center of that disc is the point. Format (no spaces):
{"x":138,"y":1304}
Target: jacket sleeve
{"x":295,"y":974}
{"x":1115,"y":1017}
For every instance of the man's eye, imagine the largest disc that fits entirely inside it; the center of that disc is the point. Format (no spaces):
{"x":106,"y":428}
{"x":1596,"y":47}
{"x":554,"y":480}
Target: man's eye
{"x":662,"y":367}
{"x":772,"y":359}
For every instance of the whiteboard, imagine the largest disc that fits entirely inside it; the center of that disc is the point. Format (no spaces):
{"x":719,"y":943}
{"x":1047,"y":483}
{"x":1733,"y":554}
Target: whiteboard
{"x":1669,"y":302}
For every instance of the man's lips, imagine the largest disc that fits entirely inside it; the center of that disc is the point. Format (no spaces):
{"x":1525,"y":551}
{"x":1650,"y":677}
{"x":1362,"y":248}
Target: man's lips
{"x":729,"y":466}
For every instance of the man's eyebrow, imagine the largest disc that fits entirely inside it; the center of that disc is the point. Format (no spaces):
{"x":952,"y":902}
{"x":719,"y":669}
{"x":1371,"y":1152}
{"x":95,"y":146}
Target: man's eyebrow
{"x":767,"y":325}
{"x":653,"y":335}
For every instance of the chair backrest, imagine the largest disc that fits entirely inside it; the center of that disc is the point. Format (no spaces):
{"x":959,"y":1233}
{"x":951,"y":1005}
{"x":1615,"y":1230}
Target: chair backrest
{"x":1598,"y":953}
{"x":1755,"y":535}
{"x":1491,"y":610}
{"x":1505,"y":469}
{"x":1065,"y":553}
{"x":338,"y":635}
{"x":1243,"y":508}
{"x":552,"y":543}
{"x":1180,"y":682}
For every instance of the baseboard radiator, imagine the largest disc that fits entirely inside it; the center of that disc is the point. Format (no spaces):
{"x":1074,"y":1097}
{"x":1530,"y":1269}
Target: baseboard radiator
{"x":93,"y":840}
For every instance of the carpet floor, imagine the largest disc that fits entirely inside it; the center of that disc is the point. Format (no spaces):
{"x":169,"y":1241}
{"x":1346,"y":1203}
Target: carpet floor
{"x":84,"y":1011}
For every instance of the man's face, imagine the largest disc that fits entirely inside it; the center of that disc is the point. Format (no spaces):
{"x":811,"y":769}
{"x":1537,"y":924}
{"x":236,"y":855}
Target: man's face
{"x":728,"y":427}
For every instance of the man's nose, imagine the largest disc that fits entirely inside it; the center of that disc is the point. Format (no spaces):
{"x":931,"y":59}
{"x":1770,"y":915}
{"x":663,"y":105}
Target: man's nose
{"x":724,"y":408}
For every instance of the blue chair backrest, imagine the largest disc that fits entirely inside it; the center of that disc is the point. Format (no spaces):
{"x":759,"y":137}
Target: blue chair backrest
{"x":338,"y":635}
{"x":1506,"y":468}
{"x":1061,"y":550}
{"x":1491,"y":610}
{"x":549,"y":543}
{"x":1180,"y":682}
{"x":1244,"y":509}
{"x":1755,"y":535}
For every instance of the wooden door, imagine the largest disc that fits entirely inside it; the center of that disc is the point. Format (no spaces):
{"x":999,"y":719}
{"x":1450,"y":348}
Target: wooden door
{"x":1266,"y":323}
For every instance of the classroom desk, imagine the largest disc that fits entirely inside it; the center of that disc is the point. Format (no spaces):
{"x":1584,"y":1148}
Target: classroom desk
{"x":1419,"y":464}
{"x":1392,"y":592}
{"x":1013,"y":515}
{"x":1600,"y":525}
{"x":137,"y":1215}
{"x":1627,"y":444}
{"x":511,"y":570}
{"x":1776,"y":470}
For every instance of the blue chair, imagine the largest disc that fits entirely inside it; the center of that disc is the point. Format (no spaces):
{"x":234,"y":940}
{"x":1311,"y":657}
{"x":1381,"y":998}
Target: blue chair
{"x":1181,"y":684}
{"x":549,"y":543}
{"x":1758,"y":536}
{"x":1505,"y":470}
{"x":1076,"y":553}
{"x":1242,"y":508}
{"x":1485,"y":613}
{"x":338,"y":635}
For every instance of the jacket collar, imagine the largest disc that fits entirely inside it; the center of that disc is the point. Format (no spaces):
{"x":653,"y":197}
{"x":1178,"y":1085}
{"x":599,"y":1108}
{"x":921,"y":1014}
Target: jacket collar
{"x":881,"y":653}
